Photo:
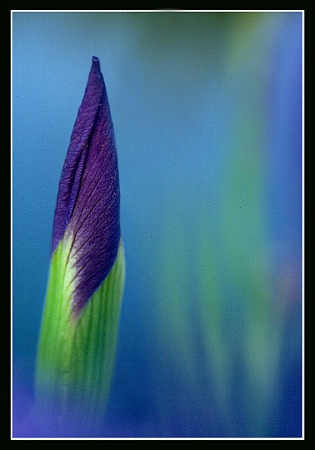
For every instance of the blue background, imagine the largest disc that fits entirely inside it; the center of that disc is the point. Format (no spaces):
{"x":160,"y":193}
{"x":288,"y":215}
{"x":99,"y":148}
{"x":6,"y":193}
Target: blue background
{"x":207,"y":109}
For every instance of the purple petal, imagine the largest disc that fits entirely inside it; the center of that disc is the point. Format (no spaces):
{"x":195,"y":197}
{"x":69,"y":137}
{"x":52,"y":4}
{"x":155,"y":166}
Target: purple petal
{"x":88,"y":198}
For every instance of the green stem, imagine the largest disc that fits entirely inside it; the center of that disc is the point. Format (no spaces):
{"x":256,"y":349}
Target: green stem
{"x":76,"y":356}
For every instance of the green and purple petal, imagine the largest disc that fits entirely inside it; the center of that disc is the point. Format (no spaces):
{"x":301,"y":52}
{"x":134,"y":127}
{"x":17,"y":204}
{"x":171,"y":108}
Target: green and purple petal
{"x":77,"y":342}
{"x":87,"y":210}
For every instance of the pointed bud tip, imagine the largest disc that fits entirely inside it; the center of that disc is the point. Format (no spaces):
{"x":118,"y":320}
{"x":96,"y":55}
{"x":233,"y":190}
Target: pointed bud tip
{"x":95,"y":59}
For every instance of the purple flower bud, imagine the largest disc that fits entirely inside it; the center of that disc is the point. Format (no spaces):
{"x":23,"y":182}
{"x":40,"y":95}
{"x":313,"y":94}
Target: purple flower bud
{"x":87,"y":210}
